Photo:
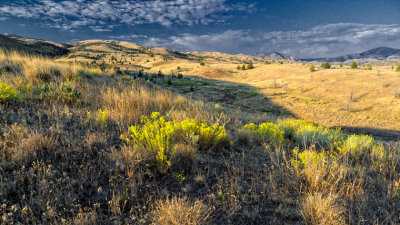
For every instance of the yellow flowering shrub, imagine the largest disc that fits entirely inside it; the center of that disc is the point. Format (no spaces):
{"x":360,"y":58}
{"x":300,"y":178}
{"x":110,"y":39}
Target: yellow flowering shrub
{"x":209,"y":137}
{"x":7,"y":92}
{"x":307,"y":158}
{"x":266,"y":133}
{"x":357,"y":145}
{"x":306,"y":134}
{"x":159,"y":137}
{"x":360,"y":146}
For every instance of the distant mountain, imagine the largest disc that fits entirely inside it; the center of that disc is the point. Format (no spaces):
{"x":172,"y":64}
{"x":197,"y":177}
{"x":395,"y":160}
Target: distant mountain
{"x":381,"y":53}
{"x":32,"y":46}
{"x":276,"y":55}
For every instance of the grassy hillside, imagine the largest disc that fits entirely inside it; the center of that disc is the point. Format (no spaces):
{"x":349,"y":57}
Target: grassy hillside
{"x":9,"y":44}
{"x":32,"y":46}
{"x":90,"y":144}
{"x":364,"y":100}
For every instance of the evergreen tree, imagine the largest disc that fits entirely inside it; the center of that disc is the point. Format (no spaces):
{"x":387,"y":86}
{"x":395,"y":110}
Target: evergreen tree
{"x":250,"y":66}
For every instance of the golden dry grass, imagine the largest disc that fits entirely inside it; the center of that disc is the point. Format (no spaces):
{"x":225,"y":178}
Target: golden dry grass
{"x":319,"y":209}
{"x":340,"y":96}
{"x":323,"y":96}
{"x":64,"y":163}
{"x":177,"y":211}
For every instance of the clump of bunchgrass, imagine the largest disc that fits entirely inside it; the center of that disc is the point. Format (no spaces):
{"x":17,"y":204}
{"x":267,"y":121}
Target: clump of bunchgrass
{"x":321,"y":209}
{"x":174,"y":211}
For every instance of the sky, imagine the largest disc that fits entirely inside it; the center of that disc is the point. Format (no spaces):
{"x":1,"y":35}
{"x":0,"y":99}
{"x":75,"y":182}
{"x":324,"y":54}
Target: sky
{"x":303,"y":28}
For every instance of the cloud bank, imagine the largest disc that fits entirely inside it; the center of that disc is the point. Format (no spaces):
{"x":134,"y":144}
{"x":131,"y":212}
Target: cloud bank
{"x":319,"y":41}
{"x":97,"y":14}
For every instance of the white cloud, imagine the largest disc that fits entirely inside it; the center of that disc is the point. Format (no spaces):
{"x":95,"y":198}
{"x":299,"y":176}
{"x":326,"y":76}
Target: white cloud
{"x":227,"y":41}
{"x":74,"y":14}
{"x":333,"y":39}
{"x":129,"y":37}
{"x":319,"y":41}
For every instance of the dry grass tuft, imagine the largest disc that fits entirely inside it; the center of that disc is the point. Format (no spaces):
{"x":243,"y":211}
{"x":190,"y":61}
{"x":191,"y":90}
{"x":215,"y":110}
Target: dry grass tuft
{"x":180,"y":211}
{"x":131,"y":103}
{"x":319,"y":209}
{"x":129,"y":160}
{"x":19,"y":144}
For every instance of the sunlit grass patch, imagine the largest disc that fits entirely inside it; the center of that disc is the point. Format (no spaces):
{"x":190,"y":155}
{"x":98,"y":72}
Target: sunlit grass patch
{"x":175,"y":211}
{"x":320,"y":209}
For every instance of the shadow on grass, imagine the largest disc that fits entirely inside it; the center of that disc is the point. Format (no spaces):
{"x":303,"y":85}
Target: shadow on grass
{"x":247,"y":98}
{"x":235,"y":95}
{"x":381,"y":134}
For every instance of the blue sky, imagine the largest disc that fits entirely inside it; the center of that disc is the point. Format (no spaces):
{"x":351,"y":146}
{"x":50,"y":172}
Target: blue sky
{"x":303,"y":28}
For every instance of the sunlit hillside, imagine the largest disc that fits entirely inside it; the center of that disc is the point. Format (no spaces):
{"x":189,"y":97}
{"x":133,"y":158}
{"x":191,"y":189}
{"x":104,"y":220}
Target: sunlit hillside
{"x":117,"y":133}
{"x":366,"y":97}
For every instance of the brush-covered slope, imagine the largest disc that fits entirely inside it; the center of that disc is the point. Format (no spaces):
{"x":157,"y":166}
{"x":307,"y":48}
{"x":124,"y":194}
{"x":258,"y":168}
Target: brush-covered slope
{"x":33,"y":46}
{"x":9,"y":44}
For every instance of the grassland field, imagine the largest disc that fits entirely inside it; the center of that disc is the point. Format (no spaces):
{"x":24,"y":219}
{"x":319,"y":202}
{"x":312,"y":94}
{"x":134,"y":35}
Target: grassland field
{"x":117,"y":133}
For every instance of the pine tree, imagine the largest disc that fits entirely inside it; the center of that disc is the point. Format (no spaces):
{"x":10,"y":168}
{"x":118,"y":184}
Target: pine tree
{"x":250,"y":66}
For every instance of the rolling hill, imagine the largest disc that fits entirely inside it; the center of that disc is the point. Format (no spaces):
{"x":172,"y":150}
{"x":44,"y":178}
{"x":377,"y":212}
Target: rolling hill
{"x":118,"y":133}
{"x":33,"y":46}
{"x":381,"y":53}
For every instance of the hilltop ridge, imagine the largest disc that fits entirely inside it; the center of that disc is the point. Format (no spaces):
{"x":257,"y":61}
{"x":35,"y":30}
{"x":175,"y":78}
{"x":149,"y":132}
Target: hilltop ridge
{"x":380,"y":53}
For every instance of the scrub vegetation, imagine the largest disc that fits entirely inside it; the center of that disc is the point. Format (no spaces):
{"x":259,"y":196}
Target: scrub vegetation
{"x":89,"y":143}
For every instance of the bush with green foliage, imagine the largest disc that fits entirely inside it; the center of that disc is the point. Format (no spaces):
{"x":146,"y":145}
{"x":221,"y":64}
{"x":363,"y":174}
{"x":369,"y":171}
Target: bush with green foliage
{"x":325,"y":65}
{"x":209,"y":137}
{"x":7,"y":92}
{"x":354,"y":65}
{"x":398,"y":68}
{"x":312,"y":68}
{"x":307,"y":158}
{"x":250,"y":66}
{"x":65,"y":93}
{"x":159,"y":138}
{"x":357,"y":145}
{"x":169,"y":81}
{"x":268,"y":133}
{"x":306,"y":134}
{"x":364,"y":147}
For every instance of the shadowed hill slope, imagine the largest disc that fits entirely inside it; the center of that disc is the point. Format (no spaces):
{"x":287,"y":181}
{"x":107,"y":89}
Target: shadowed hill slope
{"x":33,"y":46}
